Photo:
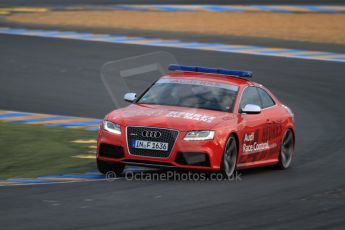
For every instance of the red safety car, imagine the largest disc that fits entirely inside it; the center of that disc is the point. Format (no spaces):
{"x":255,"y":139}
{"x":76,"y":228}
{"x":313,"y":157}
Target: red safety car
{"x":198,"y":118}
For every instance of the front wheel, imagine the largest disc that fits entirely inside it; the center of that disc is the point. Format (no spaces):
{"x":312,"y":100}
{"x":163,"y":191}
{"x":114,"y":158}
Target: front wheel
{"x":105,"y":167}
{"x":286,"y":150}
{"x":229,"y":160}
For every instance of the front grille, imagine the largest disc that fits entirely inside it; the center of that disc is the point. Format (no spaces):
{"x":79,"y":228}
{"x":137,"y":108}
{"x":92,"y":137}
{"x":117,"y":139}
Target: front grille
{"x":136,"y":133}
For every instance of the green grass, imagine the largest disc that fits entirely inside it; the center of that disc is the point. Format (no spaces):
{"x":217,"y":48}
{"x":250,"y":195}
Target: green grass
{"x":32,"y":150}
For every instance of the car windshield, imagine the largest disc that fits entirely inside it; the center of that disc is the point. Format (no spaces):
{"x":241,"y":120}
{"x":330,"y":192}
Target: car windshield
{"x":191,"y":93}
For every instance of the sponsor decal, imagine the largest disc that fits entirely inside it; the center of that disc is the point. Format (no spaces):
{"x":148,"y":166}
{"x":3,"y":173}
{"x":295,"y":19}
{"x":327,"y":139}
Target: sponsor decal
{"x":198,"y":82}
{"x":251,"y":145}
{"x":260,"y":144}
{"x":191,"y":116}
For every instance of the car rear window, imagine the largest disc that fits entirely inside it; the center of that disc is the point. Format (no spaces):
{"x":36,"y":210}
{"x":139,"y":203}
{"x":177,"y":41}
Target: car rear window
{"x":266,"y":99}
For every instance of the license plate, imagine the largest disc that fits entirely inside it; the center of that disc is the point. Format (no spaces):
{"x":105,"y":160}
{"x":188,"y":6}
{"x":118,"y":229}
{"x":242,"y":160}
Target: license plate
{"x":151,"y":145}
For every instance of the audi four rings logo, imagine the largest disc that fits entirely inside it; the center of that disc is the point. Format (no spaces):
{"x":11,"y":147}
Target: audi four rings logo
{"x":151,"y":134}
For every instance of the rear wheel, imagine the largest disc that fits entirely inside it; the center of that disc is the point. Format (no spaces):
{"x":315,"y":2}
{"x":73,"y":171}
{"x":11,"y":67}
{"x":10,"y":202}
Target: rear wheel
{"x":105,"y":167}
{"x":229,"y":160}
{"x":286,"y":150}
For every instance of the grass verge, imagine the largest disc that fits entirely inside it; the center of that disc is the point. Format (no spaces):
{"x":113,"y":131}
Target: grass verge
{"x":31,"y":150}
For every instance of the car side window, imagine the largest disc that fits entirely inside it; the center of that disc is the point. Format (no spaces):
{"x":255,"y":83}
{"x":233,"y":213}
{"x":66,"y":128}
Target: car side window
{"x":266,"y":99}
{"x":250,"y":96}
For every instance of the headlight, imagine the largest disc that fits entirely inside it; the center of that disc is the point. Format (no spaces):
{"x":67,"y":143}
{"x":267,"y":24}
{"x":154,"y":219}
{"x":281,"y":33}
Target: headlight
{"x":111,"y":127}
{"x":199,"y":135}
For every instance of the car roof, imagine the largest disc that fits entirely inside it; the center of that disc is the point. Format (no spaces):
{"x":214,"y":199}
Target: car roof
{"x":210,"y":77}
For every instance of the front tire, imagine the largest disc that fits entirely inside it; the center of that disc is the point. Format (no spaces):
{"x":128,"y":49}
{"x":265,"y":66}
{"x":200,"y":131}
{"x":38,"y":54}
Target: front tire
{"x":105,"y":167}
{"x":286,"y":150}
{"x":229,"y":160}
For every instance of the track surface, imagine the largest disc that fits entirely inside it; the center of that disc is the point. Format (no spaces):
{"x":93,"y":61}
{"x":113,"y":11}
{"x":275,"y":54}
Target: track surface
{"x":62,"y":77}
{"x":215,"y":2}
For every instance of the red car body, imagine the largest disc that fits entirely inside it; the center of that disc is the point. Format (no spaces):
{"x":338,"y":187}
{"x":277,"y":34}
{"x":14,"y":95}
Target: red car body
{"x":258,"y":136}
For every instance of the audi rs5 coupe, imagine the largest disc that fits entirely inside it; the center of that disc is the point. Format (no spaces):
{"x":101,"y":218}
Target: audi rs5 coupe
{"x":198,"y":118}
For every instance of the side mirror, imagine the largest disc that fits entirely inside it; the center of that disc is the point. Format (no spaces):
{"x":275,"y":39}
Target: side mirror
{"x":130,"y":97}
{"x":251,"y":109}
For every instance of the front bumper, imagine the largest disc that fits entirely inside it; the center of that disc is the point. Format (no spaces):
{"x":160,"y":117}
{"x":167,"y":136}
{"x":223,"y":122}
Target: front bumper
{"x":198,"y":155}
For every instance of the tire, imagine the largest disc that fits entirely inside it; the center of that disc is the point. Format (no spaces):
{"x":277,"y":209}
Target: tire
{"x":229,"y":160}
{"x":105,"y":167}
{"x":286,"y":150}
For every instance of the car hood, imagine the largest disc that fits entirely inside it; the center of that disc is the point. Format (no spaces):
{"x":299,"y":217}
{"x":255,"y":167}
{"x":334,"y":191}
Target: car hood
{"x":180,"y":118}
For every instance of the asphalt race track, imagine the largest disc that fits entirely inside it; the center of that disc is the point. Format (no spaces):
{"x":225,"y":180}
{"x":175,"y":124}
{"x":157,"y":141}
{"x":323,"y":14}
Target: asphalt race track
{"x":60,"y":76}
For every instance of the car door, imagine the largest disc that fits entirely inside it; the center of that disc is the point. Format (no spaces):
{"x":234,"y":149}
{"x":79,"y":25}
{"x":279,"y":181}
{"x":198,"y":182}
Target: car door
{"x":273,"y":130}
{"x":251,"y":127}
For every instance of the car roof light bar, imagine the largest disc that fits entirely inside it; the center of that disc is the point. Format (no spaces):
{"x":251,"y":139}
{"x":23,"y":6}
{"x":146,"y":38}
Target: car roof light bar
{"x":198,"y":69}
